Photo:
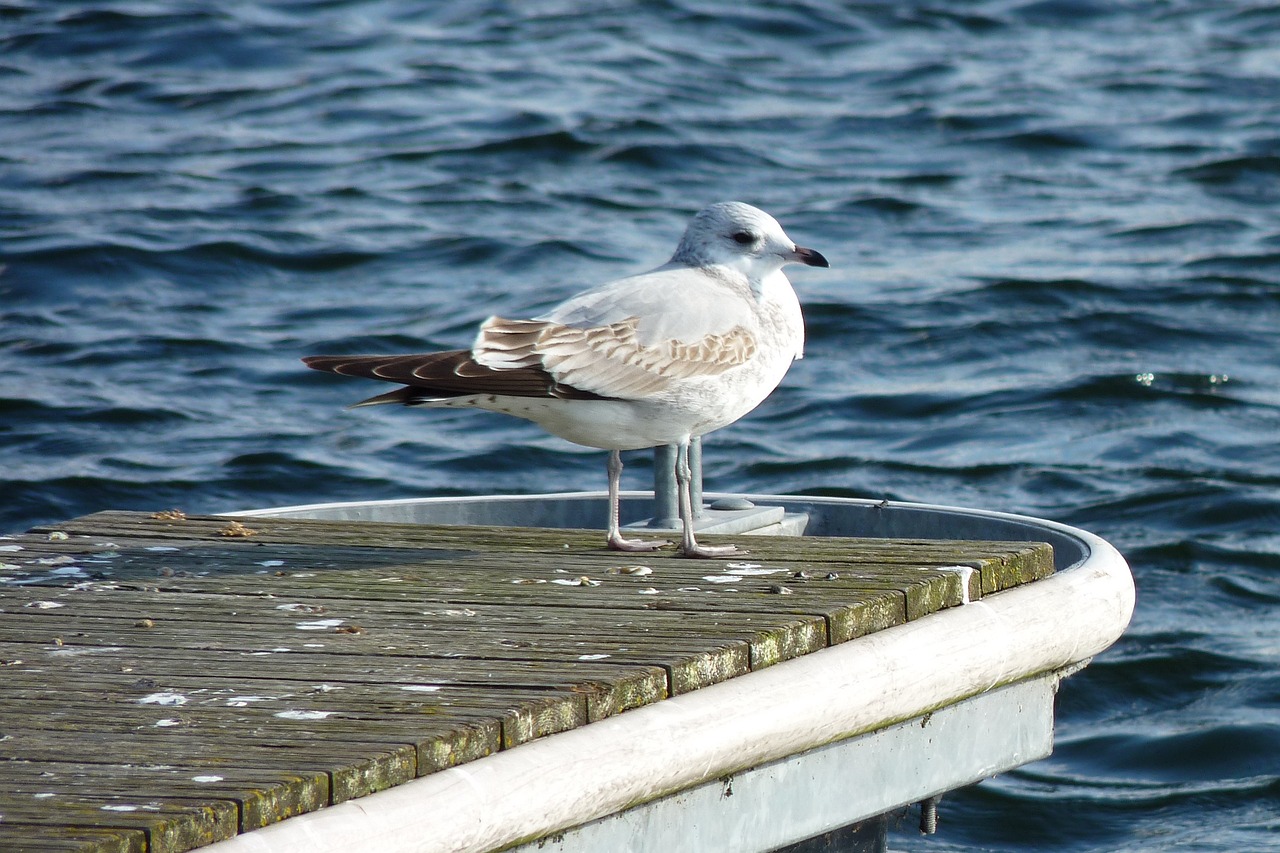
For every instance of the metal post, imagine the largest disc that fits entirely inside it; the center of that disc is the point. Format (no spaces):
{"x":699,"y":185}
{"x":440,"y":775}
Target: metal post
{"x":666,"y":504}
{"x":666,"y":507}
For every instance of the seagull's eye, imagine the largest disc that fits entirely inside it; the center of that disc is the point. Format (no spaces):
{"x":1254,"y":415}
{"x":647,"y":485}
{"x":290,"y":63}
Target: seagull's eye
{"x":744,"y":238}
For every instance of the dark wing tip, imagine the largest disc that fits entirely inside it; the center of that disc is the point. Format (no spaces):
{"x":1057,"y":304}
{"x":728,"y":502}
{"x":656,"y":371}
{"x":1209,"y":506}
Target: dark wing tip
{"x":440,"y":375}
{"x":322,"y":362}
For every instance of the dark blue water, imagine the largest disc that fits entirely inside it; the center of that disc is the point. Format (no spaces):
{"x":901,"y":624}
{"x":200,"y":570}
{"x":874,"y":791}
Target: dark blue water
{"x":1055,"y":235}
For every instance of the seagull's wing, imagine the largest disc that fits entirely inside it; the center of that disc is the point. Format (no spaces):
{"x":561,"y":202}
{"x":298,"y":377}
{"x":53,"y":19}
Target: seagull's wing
{"x":672,"y":303}
{"x":609,"y":361}
{"x":630,"y":338}
{"x":623,"y":340}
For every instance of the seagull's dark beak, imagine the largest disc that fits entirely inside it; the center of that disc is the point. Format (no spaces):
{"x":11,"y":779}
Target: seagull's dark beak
{"x":808,"y":257}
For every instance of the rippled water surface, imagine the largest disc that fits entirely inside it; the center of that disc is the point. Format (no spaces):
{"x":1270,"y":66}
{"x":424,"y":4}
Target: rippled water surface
{"x":1055,"y":290}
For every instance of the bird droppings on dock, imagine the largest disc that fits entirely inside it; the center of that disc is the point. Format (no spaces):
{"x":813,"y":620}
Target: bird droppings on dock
{"x":966,"y":579}
{"x":70,"y":572}
{"x":297,"y":607}
{"x":755,"y":571}
{"x":578,"y":581}
{"x":318,"y":625}
{"x":304,"y":715}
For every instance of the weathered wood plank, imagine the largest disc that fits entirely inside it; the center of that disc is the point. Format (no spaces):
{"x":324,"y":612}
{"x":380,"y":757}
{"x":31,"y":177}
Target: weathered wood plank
{"x":224,"y":682}
{"x":671,"y":665}
{"x":568,"y":690}
{"x":360,"y":757}
{"x":262,"y":797}
{"x":18,"y":837}
{"x":520,"y":717}
{"x":171,"y":824}
{"x":553,"y":634}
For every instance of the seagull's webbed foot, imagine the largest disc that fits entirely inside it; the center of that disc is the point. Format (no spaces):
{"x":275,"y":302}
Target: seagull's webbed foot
{"x":618,"y":543}
{"x":712,"y":552}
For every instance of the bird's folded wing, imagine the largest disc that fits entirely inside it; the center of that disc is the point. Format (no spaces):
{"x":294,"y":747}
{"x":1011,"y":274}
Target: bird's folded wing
{"x":542,"y":358}
{"x":674,"y":302}
{"x":608,"y":360}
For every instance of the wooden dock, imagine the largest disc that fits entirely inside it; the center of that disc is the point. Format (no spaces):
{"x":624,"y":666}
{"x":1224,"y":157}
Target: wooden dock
{"x":168,"y":682}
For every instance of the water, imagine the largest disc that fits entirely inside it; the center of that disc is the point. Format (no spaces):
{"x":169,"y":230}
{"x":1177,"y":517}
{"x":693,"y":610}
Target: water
{"x":1055,"y":290}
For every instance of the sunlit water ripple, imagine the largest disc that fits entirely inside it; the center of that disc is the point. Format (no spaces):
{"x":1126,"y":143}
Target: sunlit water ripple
{"x":1056,"y":290}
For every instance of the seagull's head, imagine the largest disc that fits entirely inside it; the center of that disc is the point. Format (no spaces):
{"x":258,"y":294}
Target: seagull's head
{"x":741,"y":237}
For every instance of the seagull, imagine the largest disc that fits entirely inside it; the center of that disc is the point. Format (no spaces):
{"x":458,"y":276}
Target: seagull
{"x":656,"y":358}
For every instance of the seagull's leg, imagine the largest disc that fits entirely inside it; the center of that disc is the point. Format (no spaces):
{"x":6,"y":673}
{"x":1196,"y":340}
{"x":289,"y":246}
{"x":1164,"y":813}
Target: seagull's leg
{"x":616,"y":542}
{"x":684,"y":481}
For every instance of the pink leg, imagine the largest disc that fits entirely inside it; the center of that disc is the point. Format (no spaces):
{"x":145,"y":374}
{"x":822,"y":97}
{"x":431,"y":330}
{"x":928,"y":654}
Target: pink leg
{"x":689,"y":547}
{"x":616,"y":542}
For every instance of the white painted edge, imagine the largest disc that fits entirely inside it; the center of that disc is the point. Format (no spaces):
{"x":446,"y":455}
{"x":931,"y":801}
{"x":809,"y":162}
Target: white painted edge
{"x":804,"y":795}
{"x":567,"y":779}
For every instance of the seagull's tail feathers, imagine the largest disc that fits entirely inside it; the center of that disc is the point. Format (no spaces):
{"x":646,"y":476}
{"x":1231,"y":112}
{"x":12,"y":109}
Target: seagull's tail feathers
{"x":406,"y":396}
